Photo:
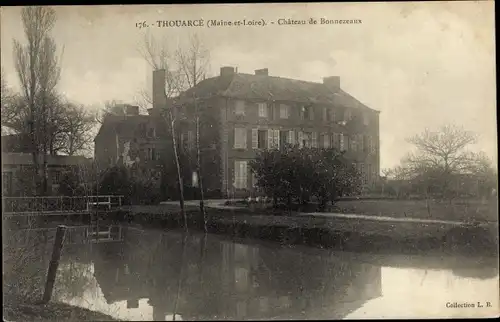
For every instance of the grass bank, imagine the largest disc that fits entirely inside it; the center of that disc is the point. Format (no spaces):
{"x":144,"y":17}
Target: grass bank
{"x":332,"y":232}
{"x":26,"y":259}
{"x":465,"y":210}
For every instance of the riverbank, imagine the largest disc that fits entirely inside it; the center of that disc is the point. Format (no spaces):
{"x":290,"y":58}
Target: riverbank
{"x":352,"y":233}
{"x":21,"y":310}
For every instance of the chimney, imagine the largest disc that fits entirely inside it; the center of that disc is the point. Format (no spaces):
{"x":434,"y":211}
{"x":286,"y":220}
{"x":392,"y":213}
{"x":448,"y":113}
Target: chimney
{"x":332,"y":82}
{"x":132,"y":110}
{"x":226,"y":71}
{"x":159,"y":95}
{"x":262,"y":72}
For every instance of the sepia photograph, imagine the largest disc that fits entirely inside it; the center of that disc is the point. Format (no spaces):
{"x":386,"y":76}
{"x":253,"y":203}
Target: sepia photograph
{"x":277,"y":161}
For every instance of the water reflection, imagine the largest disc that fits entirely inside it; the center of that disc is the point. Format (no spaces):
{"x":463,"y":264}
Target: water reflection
{"x":151,"y":275}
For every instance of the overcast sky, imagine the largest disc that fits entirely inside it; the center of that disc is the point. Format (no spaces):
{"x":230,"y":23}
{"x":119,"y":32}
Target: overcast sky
{"x":420,"y":64}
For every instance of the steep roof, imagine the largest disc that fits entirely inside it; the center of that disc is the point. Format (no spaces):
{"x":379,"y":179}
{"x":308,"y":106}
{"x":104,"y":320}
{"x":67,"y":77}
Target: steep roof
{"x":249,"y":86}
{"x":122,"y":125}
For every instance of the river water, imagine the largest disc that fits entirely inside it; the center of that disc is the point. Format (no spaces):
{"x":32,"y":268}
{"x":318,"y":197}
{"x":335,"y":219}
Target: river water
{"x":149,"y":275}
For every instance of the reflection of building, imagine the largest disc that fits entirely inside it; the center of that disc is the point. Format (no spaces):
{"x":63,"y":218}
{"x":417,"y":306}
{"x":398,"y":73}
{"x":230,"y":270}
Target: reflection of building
{"x":234,"y":281}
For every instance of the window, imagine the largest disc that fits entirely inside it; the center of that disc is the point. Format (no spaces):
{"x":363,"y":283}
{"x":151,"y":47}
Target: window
{"x":255,"y":138}
{"x":308,"y":139}
{"x":314,"y":139}
{"x":341,"y":142}
{"x":156,"y":154}
{"x":326,"y":140}
{"x":291,"y":137}
{"x":239,"y":108}
{"x":262,"y":109}
{"x":283,"y":138}
{"x":328,"y":114}
{"x":262,"y":139}
{"x":352,"y":143}
{"x":240,"y":174}
{"x":284,"y":111}
{"x":273,"y":139}
{"x":7,"y":183}
{"x":307,"y":113}
{"x":361,"y":142}
{"x":259,"y":138}
{"x":301,"y":139}
{"x":240,"y":138}
{"x":56,"y":177}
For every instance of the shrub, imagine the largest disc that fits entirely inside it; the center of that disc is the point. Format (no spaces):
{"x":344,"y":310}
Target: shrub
{"x":136,"y":189}
{"x":292,"y":175}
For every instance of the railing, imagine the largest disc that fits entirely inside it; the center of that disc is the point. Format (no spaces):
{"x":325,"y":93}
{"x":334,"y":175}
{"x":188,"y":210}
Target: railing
{"x":59,"y":204}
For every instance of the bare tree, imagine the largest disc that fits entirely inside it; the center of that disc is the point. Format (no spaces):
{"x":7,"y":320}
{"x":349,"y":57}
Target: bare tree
{"x":6,"y":97}
{"x":37,"y":68}
{"x":194,"y":62}
{"x":78,"y":127}
{"x":156,"y":54}
{"x":441,"y":154}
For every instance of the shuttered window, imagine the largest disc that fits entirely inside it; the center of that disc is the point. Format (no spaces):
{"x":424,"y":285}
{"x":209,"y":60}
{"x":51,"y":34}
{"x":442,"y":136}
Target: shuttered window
{"x":314,"y":139}
{"x":291,"y":137}
{"x":273,"y":139}
{"x":276,"y":139}
{"x":326,"y":140}
{"x":255,"y":138}
{"x":270,"y":139}
{"x":301,"y":139}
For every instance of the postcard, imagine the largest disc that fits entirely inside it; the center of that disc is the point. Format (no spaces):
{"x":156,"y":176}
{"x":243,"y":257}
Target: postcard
{"x":250,"y":161}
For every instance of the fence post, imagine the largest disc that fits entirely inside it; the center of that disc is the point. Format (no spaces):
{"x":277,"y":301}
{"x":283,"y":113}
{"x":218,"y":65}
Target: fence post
{"x":54,"y":263}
